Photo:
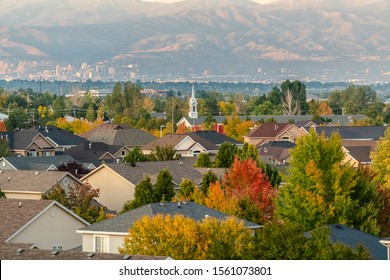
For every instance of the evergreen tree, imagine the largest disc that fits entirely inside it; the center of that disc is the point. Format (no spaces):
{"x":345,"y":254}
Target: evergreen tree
{"x":203,"y":160}
{"x":186,"y":188}
{"x":225,"y":155}
{"x":163,"y":189}
{"x":143,"y":195}
{"x":207,"y":179}
{"x":136,"y":155}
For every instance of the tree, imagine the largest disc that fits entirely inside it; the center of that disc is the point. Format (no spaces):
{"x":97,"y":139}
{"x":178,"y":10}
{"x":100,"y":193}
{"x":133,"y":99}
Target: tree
{"x":297,"y":92}
{"x":225,"y":155}
{"x":324,"y":109}
{"x":290,"y":105}
{"x":184,"y":239}
{"x":58,"y":194}
{"x":2,"y":194}
{"x":321,"y":190}
{"x":247,"y":182}
{"x":381,"y":160}
{"x":144,"y":194}
{"x":81,"y":197}
{"x":4,"y":148}
{"x":73,"y":167}
{"x":136,"y":155}
{"x":163,"y":188}
{"x":203,"y":160}
{"x":163,"y":153}
{"x":207,"y":179}
{"x":186,"y":188}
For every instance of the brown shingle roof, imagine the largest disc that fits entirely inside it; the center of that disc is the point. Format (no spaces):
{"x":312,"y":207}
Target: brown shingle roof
{"x":25,"y":252}
{"x":13,"y":216}
{"x":166,"y":140}
{"x":269,"y":130}
{"x":27,"y":180}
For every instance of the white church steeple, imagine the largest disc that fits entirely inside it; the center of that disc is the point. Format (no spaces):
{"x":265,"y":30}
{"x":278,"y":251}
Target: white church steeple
{"x":193,"y":112}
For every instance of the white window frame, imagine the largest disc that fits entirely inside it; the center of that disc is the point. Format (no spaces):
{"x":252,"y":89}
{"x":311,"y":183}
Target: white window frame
{"x":105,"y":248}
{"x":57,"y":248}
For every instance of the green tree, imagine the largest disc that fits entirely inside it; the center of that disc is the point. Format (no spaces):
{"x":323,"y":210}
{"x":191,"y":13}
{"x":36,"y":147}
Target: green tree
{"x":163,"y":188}
{"x":4,"y":148}
{"x":207,"y":179}
{"x":2,"y":194}
{"x":225,"y":155}
{"x":163,"y":153}
{"x":321,"y":190}
{"x":381,"y":160}
{"x":58,"y":194}
{"x":298,"y":91}
{"x":186,"y":188}
{"x":144,"y":194}
{"x":81,"y":197}
{"x":203,"y":160}
{"x":136,"y":155}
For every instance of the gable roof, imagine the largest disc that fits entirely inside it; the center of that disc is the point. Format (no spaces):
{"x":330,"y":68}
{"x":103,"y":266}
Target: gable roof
{"x":37,"y":163}
{"x":269,"y":130}
{"x":59,"y":136}
{"x":122,"y":222}
{"x":92,"y":151}
{"x":30,"y":181}
{"x":167,"y":140}
{"x":354,"y":132}
{"x":179,"y":169}
{"x":214,"y":137}
{"x":360,"y":153}
{"x":353,"y":237}
{"x":119,"y":135}
{"x":16,"y":214}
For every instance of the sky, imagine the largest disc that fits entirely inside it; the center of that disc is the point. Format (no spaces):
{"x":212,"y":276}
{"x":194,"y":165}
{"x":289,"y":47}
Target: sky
{"x":171,"y":1}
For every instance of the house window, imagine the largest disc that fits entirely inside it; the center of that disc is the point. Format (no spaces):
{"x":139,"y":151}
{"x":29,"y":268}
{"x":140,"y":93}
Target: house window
{"x":56,"y":248}
{"x":47,"y":154}
{"x":32,"y":154}
{"x":123,"y":153}
{"x":3,"y":163}
{"x":101,"y":244}
{"x":286,"y":138}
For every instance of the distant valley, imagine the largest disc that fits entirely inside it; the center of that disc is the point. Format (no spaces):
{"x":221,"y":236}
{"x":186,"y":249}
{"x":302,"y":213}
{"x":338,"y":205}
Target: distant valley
{"x":221,"y":40}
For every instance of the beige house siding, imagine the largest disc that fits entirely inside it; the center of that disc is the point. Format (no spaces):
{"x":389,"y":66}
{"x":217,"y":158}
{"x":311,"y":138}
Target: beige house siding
{"x":22,"y":195}
{"x":4,"y":165}
{"x":114,"y":242}
{"x":114,"y":189}
{"x":54,"y":227}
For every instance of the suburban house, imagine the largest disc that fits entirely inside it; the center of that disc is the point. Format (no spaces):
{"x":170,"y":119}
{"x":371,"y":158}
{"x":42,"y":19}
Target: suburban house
{"x":27,"y":184}
{"x":96,"y":152}
{"x":352,"y":133}
{"x":117,"y":181}
{"x":358,"y":152}
{"x":108,"y":235}
{"x":34,"y":163}
{"x":273,"y":132}
{"x":336,"y":120}
{"x":27,"y":144}
{"x":46,"y":224}
{"x":275,"y":152}
{"x":118,"y":135}
{"x":214,"y":137}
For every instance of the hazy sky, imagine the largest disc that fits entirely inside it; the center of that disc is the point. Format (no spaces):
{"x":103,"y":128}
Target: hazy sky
{"x":171,"y":1}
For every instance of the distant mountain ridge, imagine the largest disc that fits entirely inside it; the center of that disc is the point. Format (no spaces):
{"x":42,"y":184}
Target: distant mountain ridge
{"x":219,"y":36}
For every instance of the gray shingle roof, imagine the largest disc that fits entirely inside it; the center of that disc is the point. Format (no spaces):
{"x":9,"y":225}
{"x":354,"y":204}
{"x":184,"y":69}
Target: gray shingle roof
{"x":354,"y":132}
{"x":123,"y":222}
{"x":119,"y":135}
{"x":91,"y":151}
{"x":179,"y":169}
{"x":214,"y":137}
{"x":352,"y":237}
{"x":38,"y":163}
{"x":59,"y":136}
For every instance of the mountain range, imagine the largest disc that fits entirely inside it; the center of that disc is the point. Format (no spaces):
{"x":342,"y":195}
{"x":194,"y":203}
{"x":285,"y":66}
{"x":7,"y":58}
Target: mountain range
{"x":240,"y":39}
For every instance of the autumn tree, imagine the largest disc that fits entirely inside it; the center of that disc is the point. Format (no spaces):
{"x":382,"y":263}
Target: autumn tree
{"x":182,"y":238}
{"x":250,"y":185}
{"x":163,"y":188}
{"x":321,"y":190}
{"x":73,"y":167}
{"x":324,"y":109}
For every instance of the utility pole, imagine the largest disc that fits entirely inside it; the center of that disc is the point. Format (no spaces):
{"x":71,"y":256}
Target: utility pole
{"x":172,"y":115}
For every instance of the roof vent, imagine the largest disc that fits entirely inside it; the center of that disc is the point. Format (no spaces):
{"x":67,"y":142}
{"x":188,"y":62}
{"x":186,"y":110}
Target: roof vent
{"x":91,"y":255}
{"x":338,"y":227}
{"x":19,"y":251}
{"x":206,"y":216}
{"x":90,"y":145}
{"x":9,"y":178}
{"x":162,"y":204}
{"x":20,"y":204}
{"x":180,"y":163}
{"x":36,"y":172}
{"x":132,"y":164}
{"x":178,"y":205}
{"x":185,"y":202}
{"x":126,"y":257}
{"x":54,"y":253}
